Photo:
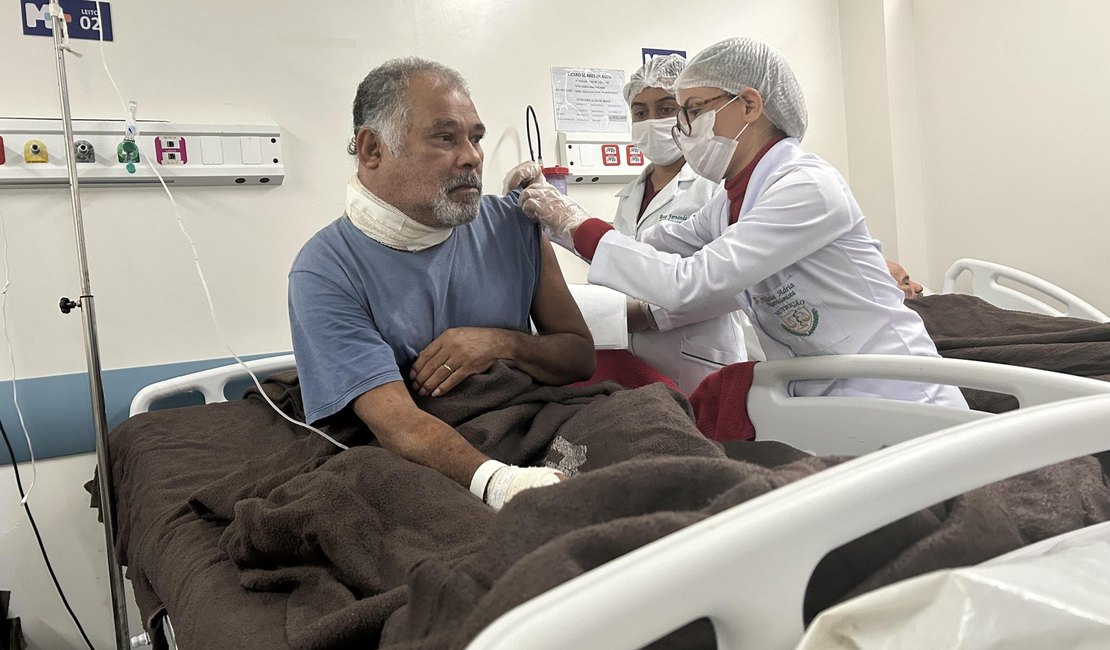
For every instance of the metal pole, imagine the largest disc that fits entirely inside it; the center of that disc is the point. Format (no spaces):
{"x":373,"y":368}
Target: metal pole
{"x":92,"y":354}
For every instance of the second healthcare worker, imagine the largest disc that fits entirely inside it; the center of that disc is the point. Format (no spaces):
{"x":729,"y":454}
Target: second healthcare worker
{"x":686,"y":347}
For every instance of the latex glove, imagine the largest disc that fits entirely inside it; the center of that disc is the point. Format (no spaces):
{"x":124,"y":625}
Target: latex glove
{"x":522,"y":175}
{"x":559,"y":215}
{"x":507,"y":481}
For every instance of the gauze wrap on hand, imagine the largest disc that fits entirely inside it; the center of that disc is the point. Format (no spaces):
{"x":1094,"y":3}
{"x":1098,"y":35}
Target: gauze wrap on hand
{"x":523,"y":174}
{"x":511,"y":480}
{"x":558,"y":214}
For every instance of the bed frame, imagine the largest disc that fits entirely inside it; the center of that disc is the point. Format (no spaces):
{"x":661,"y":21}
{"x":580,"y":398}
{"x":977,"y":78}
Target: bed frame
{"x":985,"y":284}
{"x":617,"y":605}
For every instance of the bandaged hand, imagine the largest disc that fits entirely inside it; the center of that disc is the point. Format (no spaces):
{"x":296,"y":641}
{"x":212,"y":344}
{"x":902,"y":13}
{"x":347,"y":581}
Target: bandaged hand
{"x":559,"y":215}
{"x":522,"y":175}
{"x":496,"y":483}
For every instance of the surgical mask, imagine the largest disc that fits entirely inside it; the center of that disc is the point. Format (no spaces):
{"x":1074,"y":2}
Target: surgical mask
{"x":386,"y":224}
{"x":708,"y":153}
{"x":653,"y":138}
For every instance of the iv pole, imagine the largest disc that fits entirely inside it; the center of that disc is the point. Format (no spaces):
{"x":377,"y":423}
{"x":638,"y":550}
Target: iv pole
{"x":92,"y":344}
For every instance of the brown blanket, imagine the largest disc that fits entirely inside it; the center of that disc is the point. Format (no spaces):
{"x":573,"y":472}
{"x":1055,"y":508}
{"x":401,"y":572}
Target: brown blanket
{"x":966,"y":327}
{"x":361,"y":548}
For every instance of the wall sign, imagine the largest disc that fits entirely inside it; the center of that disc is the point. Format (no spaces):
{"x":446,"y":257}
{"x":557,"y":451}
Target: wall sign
{"x":81,"y":17}
{"x":589,"y":99}
{"x":651,"y":52}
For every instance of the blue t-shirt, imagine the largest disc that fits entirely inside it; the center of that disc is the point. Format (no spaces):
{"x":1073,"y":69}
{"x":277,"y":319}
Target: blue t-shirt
{"x":361,"y":312}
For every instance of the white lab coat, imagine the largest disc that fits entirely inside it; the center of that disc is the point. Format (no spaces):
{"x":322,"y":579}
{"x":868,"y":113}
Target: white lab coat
{"x":688,"y":349}
{"x":799,"y":261}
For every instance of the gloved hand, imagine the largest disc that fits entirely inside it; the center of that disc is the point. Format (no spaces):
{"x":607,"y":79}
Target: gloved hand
{"x":523,"y":174}
{"x":506,"y":481}
{"x":559,"y":215}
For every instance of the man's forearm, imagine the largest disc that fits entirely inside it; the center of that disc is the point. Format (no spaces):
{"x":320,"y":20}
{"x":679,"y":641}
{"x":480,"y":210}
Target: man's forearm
{"x":552,"y":358}
{"x":421,"y":438}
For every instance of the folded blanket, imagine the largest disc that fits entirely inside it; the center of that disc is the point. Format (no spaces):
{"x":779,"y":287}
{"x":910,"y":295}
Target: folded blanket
{"x":721,"y":403}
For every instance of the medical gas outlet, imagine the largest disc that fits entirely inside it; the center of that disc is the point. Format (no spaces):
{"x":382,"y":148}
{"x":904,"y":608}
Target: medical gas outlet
{"x":34,"y":151}
{"x":83,"y":152}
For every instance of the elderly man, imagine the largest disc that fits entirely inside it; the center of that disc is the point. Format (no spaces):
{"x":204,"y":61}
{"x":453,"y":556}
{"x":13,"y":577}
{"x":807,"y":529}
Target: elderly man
{"x":424,"y":282}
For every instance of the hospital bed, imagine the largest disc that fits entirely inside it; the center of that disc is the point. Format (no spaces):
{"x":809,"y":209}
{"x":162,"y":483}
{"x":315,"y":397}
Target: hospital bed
{"x":1020,"y":293}
{"x":604,"y":602}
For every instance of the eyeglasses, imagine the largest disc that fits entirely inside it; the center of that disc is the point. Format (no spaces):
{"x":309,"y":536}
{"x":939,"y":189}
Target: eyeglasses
{"x":688,"y":112}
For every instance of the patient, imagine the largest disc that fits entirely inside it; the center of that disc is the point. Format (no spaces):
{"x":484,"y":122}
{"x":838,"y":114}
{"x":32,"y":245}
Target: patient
{"x":902,"y":277}
{"x":424,"y":282}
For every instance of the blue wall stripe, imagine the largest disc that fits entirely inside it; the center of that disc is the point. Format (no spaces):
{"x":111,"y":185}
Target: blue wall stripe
{"x":58,"y":409}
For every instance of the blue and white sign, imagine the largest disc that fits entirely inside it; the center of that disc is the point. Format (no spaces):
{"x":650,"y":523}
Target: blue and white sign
{"x":651,"y":52}
{"x":81,"y":16}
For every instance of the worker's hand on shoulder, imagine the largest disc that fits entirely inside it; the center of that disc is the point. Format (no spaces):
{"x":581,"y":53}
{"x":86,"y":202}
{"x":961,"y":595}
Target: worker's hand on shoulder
{"x":455,"y":355}
{"x":559,"y":215}
{"x":522,"y":175}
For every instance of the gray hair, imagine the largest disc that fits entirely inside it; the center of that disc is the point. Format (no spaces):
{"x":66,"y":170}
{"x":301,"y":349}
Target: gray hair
{"x":381,"y":104}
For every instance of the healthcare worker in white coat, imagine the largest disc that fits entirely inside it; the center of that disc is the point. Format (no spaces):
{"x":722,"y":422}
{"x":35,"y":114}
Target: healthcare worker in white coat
{"x":786,"y":237}
{"x":669,"y":190}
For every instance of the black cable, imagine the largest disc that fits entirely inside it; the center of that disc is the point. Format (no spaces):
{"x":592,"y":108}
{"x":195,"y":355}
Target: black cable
{"x":34,"y":526}
{"x":528,"y":126}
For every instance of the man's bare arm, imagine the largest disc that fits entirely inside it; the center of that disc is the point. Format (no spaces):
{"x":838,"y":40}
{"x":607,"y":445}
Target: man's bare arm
{"x":401,"y":427}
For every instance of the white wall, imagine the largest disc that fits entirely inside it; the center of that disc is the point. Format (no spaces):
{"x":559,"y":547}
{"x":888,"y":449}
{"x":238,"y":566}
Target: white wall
{"x":218,"y":62}
{"x":1014,"y":108}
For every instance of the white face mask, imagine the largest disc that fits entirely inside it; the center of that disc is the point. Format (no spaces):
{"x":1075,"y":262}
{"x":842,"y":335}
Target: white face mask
{"x":653,"y":138}
{"x":708,"y":153}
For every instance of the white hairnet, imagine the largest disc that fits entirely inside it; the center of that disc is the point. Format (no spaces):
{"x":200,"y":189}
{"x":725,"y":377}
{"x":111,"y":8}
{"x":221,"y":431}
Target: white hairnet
{"x":738,"y":63}
{"x":658,"y":72}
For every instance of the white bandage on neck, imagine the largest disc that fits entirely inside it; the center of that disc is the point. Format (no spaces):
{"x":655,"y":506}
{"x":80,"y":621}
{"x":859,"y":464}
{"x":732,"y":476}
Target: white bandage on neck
{"x":386,"y":224}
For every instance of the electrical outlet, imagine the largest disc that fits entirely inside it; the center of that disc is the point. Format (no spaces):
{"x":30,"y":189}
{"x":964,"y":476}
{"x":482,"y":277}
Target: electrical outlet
{"x":83,"y":152}
{"x":34,"y":151}
{"x":170,"y":150}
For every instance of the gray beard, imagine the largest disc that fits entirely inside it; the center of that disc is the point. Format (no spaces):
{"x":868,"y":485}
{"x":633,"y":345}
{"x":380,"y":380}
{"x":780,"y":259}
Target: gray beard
{"x":450,"y":212}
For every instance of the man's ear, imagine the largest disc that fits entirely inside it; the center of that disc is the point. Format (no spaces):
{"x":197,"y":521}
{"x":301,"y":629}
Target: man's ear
{"x":369,"y":148}
{"x":753,"y":104}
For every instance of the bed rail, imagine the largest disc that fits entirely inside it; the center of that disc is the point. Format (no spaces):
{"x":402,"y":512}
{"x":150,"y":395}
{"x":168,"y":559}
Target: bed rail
{"x":984,"y":284}
{"x":209,"y":383}
{"x":747,"y":568}
{"x":859,"y":425}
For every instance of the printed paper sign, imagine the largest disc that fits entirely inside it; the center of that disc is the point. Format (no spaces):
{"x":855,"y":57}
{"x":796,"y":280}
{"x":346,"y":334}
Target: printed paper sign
{"x":81,"y":18}
{"x":589,"y":99}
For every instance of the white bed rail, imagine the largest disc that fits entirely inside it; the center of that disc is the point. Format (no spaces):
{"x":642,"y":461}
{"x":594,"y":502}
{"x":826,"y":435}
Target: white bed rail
{"x":209,"y":383}
{"x":984,"y":284}
{"x":856,"y":425}
{"x":747,"y":568}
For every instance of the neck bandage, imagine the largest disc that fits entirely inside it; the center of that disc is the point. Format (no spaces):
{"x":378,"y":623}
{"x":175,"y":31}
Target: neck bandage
{"x":386,"y":224}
